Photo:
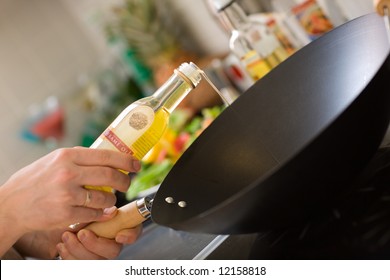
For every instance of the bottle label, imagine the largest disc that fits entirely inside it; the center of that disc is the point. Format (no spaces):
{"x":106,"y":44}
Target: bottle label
{"x":127,"y":128}
{"x":116,"y":141}
{"x":312,"y":18}
{"x":255,"y":65}
{"x":138,"y":120}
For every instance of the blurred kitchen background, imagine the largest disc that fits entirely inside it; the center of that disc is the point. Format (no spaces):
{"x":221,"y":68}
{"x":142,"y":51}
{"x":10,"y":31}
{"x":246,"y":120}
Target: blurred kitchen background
{"x":65,"y":72}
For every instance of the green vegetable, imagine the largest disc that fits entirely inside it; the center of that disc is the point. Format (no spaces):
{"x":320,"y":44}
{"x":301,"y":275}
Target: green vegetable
{"x":153,"y":174}
{"x":150,"y":176}
{"x":194,"y":125}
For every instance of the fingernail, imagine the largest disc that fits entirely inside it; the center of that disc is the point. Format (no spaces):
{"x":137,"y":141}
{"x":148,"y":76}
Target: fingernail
{"x":109,"y":211}
{"x":81,"y":235}
{"x":121,"y":239}
{"x":65,"y":237}
{"x":59,"y":248}
{"x":136,"y":165}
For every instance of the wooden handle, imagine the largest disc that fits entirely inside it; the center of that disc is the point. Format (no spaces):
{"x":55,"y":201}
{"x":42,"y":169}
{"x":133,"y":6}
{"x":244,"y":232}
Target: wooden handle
{"x":380,"y":6}
{"x":128,"y":216}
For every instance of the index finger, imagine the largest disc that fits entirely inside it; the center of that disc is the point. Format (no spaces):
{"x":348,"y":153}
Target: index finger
{"x":102,"y":157}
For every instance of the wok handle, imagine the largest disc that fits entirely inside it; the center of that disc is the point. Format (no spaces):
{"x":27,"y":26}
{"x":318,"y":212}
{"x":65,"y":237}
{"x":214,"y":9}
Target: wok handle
{"x":381,"y":6}
{"x":383,"y":9}
{"x":128,"y":216}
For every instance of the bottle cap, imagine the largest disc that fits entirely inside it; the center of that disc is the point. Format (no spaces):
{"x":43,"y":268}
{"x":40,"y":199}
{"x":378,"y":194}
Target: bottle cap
{"x":221,"y":4}
{"x":191,"y":72}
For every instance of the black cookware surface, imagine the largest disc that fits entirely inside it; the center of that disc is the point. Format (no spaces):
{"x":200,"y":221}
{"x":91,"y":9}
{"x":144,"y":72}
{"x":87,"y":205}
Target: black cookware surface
{"x":291,"y":143}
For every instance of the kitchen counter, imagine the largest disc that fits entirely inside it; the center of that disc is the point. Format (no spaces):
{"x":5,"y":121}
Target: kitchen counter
{"x":161,"y":243}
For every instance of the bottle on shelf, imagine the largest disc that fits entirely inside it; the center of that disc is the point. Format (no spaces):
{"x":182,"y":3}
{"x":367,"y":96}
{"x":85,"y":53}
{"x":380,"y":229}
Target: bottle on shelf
{"x":141,"y":125}
{"x":251,"y":41}
{"x":286,"y":41}
{"x":308,"y":18}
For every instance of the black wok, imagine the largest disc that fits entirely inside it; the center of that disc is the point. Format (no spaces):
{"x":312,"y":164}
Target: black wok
{"x":291,"y":143}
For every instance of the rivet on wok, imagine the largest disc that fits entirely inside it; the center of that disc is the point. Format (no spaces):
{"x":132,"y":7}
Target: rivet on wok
{"x":169,"y":200}
{"x":182,"y":204}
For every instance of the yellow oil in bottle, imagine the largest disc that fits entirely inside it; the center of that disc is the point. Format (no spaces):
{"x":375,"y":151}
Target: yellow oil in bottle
{"x":256,"y":66}
{"x":152,"y":135}
{"x":127,"y":139}
{"x":142,"y":124}
{"x":272,"y":60}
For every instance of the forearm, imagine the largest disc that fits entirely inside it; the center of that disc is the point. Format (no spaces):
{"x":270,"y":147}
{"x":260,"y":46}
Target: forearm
{"x":40,"y":245}
{"x":7,"y":239}
{"x":14,"y":233}
{"x":9,"y":231}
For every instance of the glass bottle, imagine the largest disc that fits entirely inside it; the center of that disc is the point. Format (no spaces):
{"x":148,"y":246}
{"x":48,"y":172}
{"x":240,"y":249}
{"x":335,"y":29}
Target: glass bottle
{"x":307,"y":17}
{"x":141,"y":125}
{"x":257,"y":48}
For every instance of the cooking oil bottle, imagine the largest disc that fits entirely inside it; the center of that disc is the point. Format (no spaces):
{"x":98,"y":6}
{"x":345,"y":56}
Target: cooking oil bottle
{"x":141,"y":125}
{"x":251,"y":41}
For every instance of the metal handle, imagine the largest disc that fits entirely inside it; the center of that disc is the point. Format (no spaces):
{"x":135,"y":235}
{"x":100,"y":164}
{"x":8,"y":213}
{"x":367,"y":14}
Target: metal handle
{"x":128,"y":216}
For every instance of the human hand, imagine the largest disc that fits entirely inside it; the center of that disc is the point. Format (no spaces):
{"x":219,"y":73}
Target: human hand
{"x":48,"y":194}
{"x":85,"y":245}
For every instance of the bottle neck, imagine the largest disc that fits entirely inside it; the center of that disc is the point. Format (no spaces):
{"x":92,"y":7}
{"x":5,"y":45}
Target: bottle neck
{"x":234,"y":17}
{"x":172,"y":92}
